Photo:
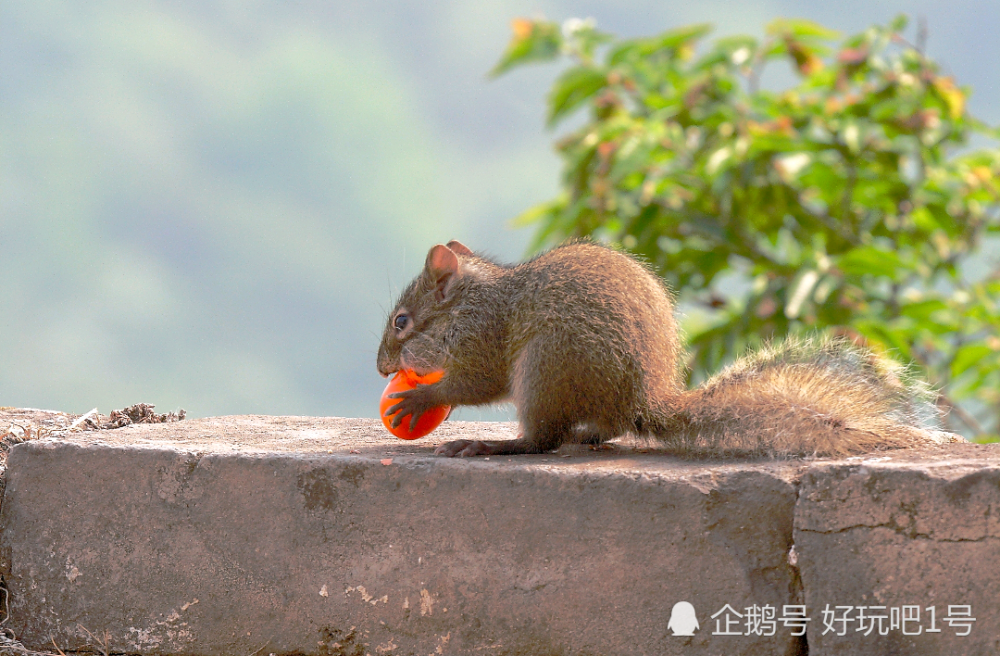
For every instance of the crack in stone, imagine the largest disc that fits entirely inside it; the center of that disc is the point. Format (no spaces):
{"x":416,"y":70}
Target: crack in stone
{"x":899,"y":530}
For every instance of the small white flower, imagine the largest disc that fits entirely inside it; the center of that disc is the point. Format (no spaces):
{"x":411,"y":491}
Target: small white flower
{"x":573,"y":25}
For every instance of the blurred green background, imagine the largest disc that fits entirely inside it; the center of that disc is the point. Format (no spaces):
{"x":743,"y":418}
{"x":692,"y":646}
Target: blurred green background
{"x":211,"y":205}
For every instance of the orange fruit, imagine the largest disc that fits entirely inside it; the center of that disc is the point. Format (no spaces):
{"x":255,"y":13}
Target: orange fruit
{"x":406,"y":379}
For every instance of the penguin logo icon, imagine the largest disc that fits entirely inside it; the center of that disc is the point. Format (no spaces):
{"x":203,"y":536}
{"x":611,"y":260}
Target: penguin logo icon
{"x":683,"y":621}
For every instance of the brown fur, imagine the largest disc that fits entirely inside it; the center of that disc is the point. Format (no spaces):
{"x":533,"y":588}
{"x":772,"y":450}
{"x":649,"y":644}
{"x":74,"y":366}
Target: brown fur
{"x":583,"y":340}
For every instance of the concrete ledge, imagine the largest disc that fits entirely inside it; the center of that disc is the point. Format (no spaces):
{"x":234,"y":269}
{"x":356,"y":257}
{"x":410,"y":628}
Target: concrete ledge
{"x":284,"y":535}
{"x":902,"y":532}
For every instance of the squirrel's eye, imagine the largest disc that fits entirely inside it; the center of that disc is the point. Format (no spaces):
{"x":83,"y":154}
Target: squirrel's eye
{"x":400,"y":321}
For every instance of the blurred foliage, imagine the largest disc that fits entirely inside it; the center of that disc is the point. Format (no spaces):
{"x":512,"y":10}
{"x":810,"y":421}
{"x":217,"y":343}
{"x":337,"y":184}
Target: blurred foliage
{"x":849,"y":202}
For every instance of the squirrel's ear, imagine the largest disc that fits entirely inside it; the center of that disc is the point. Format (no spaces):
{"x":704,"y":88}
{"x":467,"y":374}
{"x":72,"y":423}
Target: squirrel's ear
{"x":459,"y":248}
{"x":441,"y":268}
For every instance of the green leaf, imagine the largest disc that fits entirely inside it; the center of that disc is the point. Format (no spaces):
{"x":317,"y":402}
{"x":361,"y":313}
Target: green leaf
{"x":538,"y":213}
{"x":572,"y":89}
{"x":801,"y":27}
{"x":868,"y":260}
{"x":924,"y":219}
{"x":899,"y":23}
{"x":923,"y":310}
{"x":880,"y":333}
{"x":672,"y":40}
{"x":682,"y":35}
{"x":533,"y":41}
{"x":968,"y":356}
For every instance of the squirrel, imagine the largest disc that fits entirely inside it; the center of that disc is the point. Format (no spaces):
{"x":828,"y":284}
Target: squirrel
{"x":584,"y":341}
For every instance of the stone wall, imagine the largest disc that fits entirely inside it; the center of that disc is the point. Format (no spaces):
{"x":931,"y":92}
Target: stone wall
{"x":284,"y":535}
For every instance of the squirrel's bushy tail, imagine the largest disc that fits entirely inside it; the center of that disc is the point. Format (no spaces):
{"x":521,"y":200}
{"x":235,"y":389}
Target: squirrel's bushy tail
{"x":804,"y":397}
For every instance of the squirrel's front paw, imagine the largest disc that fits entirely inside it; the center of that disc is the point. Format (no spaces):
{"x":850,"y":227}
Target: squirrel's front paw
{"x":412,"y":403}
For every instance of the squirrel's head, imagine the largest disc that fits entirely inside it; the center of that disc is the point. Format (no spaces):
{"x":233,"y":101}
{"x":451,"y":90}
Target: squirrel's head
{"x":415,"y":334}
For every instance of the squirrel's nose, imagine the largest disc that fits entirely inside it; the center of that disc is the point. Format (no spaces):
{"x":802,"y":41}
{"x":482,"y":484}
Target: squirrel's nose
{"x":384,"y":369}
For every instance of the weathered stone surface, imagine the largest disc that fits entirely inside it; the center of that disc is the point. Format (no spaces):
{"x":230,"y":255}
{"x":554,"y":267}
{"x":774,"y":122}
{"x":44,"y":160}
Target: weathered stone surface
{"x":247,"y":535}
{"x":902,"y":531}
